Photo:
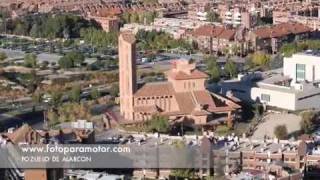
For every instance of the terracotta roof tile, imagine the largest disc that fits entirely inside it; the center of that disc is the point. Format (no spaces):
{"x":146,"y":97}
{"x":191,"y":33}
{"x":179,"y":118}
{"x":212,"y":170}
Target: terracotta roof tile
{"x":195,"y":74}
{"x":215,"y":32}
{"x":281,"y":30}
{"x":155,"y":89}
{"x":185,"y":102}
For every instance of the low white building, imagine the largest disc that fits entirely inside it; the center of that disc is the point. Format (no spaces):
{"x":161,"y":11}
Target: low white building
{"x":295,"y":87}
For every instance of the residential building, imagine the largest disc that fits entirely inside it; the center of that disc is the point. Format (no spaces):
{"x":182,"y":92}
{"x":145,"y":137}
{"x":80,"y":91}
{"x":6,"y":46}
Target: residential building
{"x":220,"y":39}
{"x":306,"y":15}
{"x":177,"y":28}
{"x":271,"y":38}
{"x":295,"y":87}
{"x":27,"y":135}
{"x":199,"y":10}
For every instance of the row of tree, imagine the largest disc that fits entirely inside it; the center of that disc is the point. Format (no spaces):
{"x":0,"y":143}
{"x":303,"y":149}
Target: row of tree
{"x":47,"y":25}
{"x":99,"y":38}
{"x":153,"y":40}
{"x":298,"y":46}
{"x":215,"y":72}
{"x":141,"y":18}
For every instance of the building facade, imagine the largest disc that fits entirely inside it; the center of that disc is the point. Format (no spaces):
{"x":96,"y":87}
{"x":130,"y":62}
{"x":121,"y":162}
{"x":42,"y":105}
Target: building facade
{"x":297,"y":83}
{"x":183,"y":96}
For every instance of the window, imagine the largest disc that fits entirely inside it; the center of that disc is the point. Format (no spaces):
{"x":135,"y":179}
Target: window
{"x":265,"y":97}
{"x":300,"y":72}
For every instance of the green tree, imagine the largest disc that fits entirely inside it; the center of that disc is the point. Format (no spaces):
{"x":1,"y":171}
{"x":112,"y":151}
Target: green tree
{"x":308,"y":121}
{"x":3,"y":56}
{"x":182,"y":173}
{"x":281,"y":131}
{"x":30,"y":60}
{"x":75,"y":94}
{"x":65,"y":63}
{"x":212,"y":16}
{"x":56,"y":98}
{"x":230,"y":68}
{"x":288,"y":49}
{"x":114,"y":90}
{"x":71,"y":59}
{"x":95,"y":93}
{"x":159,"y":123}
{"x":213,"y":68}
{"x":260,"y":59}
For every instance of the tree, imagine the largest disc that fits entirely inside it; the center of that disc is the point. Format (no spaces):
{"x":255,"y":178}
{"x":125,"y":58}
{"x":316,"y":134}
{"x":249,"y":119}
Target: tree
{"x":75,"y":94}
{"x":30,"y":60}
{"x":159,"y":123}
{"x":71,"y":59}
{"x":182,"y":173}
{"x":3,"y":56}
{"x":37,"y":97}
{"x":56,"y":98}
{"x":281,"y":131}
{"x":230,"y":68}
{"x":212,"y":16}
{"x":288,"y":49}
{"x":213,"y":68}
{"x":114,"y":90}
{"x":95,"y":93}
{"x":308,"y":121}
{"x":260,"y":59}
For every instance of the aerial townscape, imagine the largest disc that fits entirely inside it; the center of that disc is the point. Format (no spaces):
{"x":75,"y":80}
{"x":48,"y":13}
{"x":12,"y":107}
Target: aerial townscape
{"x":238,"y":80}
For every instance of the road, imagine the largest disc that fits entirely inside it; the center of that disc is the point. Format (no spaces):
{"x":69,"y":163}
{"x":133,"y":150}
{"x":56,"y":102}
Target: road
{"x":32,"y":118}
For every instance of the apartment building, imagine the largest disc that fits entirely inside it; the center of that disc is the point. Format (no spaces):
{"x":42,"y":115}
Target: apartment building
{"x":198,"y":11}
{"x":268,"y":158}
{"x":177,"y":28}
{"x":238,"y":16}
{"x":271,"y":38}
{"x":27,"y":135}
{"x":219,"y":39}
{"x":306,"y":15}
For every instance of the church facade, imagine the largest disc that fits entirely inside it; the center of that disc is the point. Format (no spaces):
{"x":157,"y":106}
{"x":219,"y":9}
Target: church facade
{"x":182,"y":96}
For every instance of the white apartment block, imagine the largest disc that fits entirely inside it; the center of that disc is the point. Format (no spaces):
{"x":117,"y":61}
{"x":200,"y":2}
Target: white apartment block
{"x":295,"y":87}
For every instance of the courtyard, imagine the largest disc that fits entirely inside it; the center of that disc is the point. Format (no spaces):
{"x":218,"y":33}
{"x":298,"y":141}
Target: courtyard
{"x":272,"y":120}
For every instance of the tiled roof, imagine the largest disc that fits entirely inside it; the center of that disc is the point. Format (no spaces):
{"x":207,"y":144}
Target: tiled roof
{"x":215,"y":32}
{"x":185,"y":102}
{"x":180,"y":75}
{"x":281,"y":30}
{"x":188,"y":101}
{"x":155,"y":89}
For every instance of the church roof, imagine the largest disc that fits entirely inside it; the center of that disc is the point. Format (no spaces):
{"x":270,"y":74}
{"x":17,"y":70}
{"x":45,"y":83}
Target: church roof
{"x":155,"y":89}
{"x":194,"y":74}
